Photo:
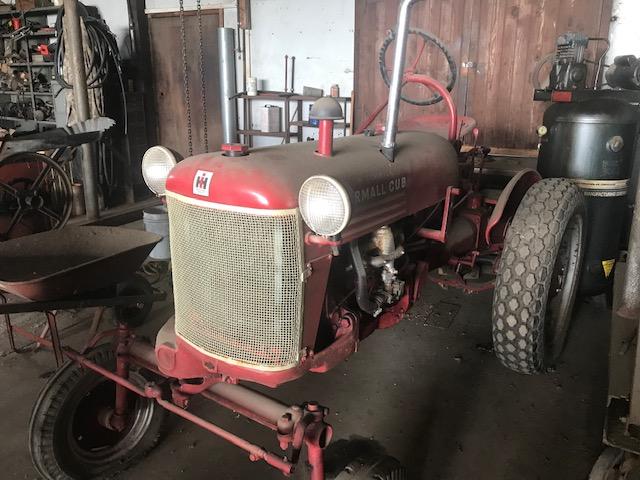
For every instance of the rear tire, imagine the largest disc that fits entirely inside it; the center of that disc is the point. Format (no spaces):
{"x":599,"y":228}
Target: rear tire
{"x":66,"y":440}
{"x":538,"y":276}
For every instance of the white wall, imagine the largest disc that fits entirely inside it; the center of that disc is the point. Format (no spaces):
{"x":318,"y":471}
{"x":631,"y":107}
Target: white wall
{"x":624,"y":33}
{"x":319,"y":34}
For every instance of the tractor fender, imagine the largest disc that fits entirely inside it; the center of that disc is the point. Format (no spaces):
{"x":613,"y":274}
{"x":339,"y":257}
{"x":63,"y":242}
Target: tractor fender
{"x":508,"y":203}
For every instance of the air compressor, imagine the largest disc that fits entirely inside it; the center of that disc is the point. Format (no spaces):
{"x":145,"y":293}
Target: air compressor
{"x":589,"y":136}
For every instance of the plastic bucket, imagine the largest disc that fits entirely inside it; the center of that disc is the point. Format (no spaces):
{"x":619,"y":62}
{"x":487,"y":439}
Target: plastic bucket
{"x":156,"y":220}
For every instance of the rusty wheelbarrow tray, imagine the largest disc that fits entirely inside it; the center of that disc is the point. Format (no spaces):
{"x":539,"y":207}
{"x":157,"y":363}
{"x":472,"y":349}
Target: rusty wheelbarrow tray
{"x":64,"y":263}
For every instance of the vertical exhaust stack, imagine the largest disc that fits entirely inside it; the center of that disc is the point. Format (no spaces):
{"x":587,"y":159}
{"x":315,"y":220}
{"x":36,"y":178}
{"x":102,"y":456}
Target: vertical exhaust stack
{"x":388,"y":146}
{"x":228,"y":87}
{"x":326,"y":110}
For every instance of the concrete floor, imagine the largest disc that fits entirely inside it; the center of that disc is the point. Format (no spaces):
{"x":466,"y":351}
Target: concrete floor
{"x":427,"y":393}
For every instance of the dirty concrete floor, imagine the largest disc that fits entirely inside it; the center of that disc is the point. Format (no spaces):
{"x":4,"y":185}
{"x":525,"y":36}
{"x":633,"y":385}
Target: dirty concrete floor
{"x":427,"y":393}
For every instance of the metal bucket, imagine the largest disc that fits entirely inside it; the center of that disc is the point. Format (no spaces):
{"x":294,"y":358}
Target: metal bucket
{"x":156,"y":220}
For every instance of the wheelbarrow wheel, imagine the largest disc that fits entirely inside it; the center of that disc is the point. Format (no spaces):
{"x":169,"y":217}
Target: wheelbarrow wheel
{"x":134,"y":315}
{"x":67,"y":439}
{"x":537,"y":276}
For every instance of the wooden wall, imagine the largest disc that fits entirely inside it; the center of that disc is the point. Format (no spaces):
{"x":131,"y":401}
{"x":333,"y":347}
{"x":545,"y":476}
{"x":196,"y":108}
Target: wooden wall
{"x":502,"y":38}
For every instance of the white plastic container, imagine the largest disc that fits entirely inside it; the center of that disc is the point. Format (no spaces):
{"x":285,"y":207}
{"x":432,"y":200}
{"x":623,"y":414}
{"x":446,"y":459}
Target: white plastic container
{"x":156,"y":220}
{"x":252,"y":87}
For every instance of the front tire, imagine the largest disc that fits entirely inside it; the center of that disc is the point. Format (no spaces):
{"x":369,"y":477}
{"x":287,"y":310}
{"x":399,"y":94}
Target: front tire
{"x":66,"y":439}
{"x":538,"y":276}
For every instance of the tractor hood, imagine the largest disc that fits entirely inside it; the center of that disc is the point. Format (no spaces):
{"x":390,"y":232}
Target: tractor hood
{"x":270,"y":178}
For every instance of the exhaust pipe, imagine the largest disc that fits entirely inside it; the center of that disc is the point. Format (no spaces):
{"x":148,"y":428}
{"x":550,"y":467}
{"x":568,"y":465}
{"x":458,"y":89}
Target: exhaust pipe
{"x":388,"y":147}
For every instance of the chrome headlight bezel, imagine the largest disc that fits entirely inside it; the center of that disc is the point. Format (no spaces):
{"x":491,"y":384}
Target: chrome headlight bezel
{"x":157,"y":163}
{"x":338,"y":225}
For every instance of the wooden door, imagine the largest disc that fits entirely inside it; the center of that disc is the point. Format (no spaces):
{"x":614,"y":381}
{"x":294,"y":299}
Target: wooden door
{"x":168,"y":78}
{"x":496,"y":44}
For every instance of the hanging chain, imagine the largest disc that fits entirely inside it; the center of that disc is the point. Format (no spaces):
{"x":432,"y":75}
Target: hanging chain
{"x":203,"y":84}
{"x":185,"y":75}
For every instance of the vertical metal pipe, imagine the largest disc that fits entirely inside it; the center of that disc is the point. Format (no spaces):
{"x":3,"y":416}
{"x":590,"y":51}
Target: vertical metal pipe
{"x":228,"y":88}
{"x":630,"y":307}
{"x":395,"y":91}
{"x":81,"y":104}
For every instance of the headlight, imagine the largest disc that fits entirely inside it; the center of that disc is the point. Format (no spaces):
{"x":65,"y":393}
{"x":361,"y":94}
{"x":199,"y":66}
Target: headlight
{"x":156,"y":165}
{"x":324,"y":205}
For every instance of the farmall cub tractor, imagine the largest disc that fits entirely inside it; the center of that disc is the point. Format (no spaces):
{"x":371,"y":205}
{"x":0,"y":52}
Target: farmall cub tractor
{"x":286,"y":258}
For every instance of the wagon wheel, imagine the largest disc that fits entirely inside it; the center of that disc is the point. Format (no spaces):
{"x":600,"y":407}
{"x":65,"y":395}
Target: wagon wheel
{"x":45,"y":195}
{"x":424,"y":39}
{"x":68,"y":437}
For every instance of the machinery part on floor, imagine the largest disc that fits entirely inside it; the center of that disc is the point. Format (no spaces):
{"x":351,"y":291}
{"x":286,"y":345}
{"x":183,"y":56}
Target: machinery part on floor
{"x":373,"y":467}
{"x":134,"y":315}
{"x":427,"y":39}
{"x":228,"y":88}
{"x":71,"y":433}
{"x":592,"y":143}
{"x":607,"y":467}
{"x":35,"y":195}
{"x":537,"y":278}
{"x":624,"y":73}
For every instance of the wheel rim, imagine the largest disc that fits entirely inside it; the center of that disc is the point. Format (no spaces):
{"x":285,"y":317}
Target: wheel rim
{"x":92,"y":442}
{"x":426,"y":39}
{"x":562,"y":290}
{"x":45,"y":198}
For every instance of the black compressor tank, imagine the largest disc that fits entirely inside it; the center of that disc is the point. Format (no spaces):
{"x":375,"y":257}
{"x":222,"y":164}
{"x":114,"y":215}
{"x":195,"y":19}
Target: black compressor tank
{"x":592,"y":142}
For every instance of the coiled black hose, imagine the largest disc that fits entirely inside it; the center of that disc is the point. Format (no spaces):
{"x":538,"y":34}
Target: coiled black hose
{"x":105,"y":55}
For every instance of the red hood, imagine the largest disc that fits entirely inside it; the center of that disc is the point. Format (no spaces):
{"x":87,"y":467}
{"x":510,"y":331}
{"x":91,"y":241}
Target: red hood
{"x":270,"y":178}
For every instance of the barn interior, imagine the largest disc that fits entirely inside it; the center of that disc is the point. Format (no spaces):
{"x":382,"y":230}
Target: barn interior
{"x":354,"y":240}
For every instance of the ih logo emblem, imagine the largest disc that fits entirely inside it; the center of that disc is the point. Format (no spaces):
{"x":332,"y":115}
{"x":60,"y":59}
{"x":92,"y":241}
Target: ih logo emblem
{"x":202,"y":183}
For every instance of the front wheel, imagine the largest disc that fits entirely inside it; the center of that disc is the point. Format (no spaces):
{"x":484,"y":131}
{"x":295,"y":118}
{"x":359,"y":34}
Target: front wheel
{"x":538,"y":276}
{"x":66,"y":437}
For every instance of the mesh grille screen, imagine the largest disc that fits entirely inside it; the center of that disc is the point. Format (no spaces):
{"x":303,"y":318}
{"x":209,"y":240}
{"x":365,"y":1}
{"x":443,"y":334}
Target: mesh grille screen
{"x":237,"y":283}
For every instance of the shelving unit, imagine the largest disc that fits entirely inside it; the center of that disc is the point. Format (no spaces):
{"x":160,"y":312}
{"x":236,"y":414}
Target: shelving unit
{"x":299,"y":123}
{"x":25,"y":43}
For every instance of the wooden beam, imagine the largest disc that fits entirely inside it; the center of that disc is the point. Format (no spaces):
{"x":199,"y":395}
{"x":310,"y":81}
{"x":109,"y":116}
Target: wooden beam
{"x":244,"y":14}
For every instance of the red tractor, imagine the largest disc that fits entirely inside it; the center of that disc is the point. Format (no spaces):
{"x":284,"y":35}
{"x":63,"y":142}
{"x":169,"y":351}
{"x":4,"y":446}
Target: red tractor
{"x":286,"y":258}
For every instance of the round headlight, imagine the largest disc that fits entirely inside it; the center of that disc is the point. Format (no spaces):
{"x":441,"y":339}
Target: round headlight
{"x":324,"y":205}
{"x":156,"y":165}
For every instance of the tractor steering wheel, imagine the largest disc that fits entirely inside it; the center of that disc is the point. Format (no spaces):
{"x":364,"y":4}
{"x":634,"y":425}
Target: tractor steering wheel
{"x":426,"y":38}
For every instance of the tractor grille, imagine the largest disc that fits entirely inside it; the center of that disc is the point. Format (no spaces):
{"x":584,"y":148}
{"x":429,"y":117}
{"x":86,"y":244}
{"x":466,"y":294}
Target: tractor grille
{"x":237,"y":277}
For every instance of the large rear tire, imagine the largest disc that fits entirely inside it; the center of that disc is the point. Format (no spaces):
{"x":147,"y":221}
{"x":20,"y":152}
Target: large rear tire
{"x":65,"y":437}
{"x":538,"y":276}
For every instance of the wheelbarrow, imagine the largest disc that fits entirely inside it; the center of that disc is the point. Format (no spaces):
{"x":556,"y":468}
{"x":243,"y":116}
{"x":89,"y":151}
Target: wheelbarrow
{"x":76,"y":267}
